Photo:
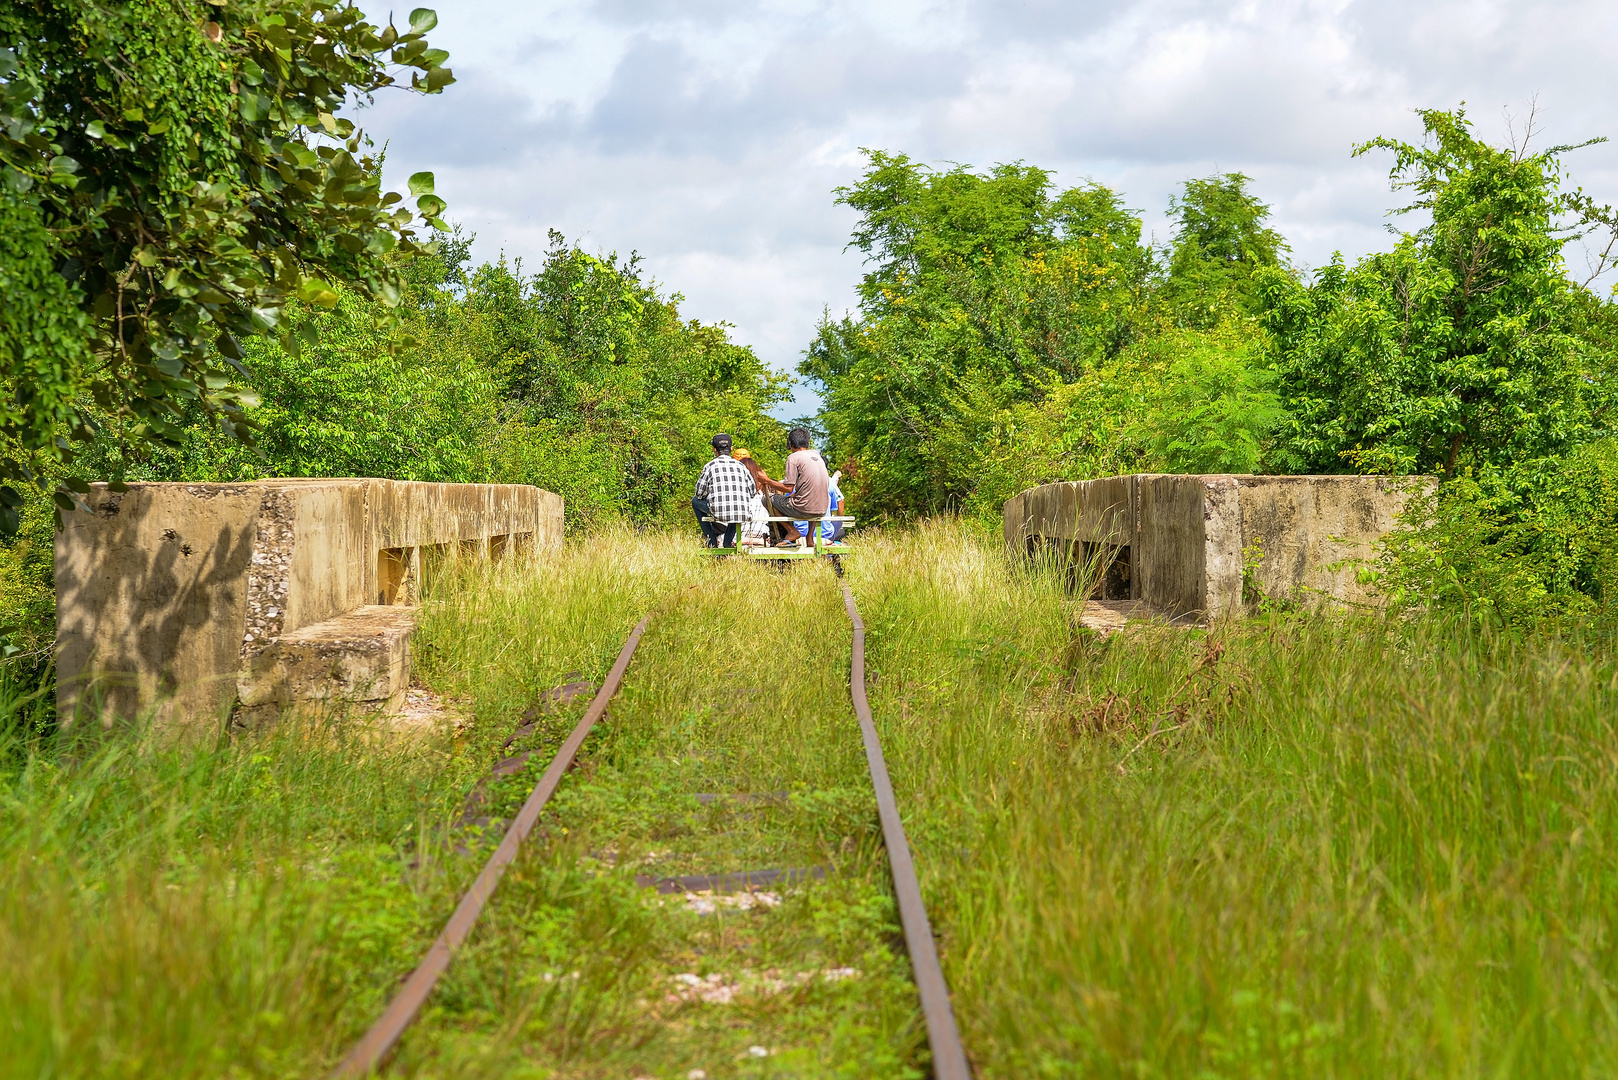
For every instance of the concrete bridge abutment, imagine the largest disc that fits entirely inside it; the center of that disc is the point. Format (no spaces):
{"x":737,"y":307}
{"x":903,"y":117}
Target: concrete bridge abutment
{"x":194,"y":602}
{"x":1204,"y":546}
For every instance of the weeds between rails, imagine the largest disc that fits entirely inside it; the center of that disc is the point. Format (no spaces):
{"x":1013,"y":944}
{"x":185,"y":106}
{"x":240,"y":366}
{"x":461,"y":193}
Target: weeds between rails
{"x":700,"y":771}
{"x":1363,"y":849}
{"x":705,"y":894}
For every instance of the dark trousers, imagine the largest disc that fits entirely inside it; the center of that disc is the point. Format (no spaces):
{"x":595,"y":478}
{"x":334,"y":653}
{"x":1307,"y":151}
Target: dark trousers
{"x":713,"y":532}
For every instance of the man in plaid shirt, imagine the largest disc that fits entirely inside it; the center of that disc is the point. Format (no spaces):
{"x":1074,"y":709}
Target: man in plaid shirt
{"x":725,"y":492}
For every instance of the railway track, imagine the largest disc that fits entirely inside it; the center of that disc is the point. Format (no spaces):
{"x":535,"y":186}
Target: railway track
{"x":949,"y":1061}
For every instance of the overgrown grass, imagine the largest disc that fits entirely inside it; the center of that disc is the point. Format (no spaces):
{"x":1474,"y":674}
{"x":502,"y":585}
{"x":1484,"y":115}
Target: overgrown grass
{"x":740,"y":686}
{"x":1294,"y":846}
{"x":245,"y":909}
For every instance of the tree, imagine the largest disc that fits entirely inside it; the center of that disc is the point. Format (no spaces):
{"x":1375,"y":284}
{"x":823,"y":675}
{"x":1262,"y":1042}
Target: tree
{"x":172,"y":174}
{"x":1460,"y":348}
{"x":983,"y":293}
{"x":1220,"y":241}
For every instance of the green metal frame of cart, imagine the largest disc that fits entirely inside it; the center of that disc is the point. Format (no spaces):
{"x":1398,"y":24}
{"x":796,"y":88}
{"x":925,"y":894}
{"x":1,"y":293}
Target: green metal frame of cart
{"x":821,"y":546}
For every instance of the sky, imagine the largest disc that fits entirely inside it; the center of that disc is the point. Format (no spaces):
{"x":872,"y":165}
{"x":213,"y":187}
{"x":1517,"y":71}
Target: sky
{"x":708,"y":136}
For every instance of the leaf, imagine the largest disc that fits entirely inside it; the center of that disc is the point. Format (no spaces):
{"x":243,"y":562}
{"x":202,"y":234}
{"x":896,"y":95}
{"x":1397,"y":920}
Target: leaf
{"x":318,"y":292}
{"x":213,"y":32}
{"x":431,"y":206}
{"x":95,"y":129}
{"x":73,"y":483}
{"x":254,"y":106}
{"x":421,"y":183}
{"x":423,"y":20}
{"x":117,"y":487}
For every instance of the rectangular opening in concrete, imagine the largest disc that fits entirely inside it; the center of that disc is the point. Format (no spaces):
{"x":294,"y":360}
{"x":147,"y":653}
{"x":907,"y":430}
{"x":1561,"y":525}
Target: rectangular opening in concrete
{"x":392,"y":575}
{"x":1110,"y":563}
{"x":498,"y":545}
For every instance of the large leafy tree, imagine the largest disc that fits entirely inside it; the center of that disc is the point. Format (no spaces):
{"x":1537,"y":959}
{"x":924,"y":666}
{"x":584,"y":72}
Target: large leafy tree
{"x":1459,"y":349}
{"x":172,"y":174}
{"x":985,"y":291}
{"x":1221,"y":238}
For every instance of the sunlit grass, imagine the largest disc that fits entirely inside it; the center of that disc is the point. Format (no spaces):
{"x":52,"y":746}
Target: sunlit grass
{"x":191,"y":909}
{"x":1351,"y":848}
{"x":1294,"y":846}
{"x":740,"y":685}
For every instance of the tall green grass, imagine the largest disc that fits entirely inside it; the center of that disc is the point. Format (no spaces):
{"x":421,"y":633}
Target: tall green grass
{"x":1299,"y":845}
{"x":739,"y":686}
{"x":1294,"y":846}
{"x":245,"y":907}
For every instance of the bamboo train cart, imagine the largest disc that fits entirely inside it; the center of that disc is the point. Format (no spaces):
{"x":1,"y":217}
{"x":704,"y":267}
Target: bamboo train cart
{"x":809,"y":548}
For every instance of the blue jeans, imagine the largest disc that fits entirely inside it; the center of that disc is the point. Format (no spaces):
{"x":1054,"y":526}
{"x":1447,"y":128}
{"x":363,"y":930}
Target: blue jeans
{"x":713,"y":532}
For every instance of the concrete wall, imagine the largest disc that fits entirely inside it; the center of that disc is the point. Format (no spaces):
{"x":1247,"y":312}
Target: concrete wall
{"x":168,"y":594}
{"x":1187,"y":539}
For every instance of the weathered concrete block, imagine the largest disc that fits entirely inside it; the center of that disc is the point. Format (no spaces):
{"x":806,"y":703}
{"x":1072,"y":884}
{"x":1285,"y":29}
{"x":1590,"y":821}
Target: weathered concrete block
{"x":1192,"y":543}
{"x":167,"y":594}
{"x":361,"y":658}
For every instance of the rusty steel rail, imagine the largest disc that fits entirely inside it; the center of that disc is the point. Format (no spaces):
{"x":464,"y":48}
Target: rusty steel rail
{"x":943,"y":1038}
{"x":384,"y":1035}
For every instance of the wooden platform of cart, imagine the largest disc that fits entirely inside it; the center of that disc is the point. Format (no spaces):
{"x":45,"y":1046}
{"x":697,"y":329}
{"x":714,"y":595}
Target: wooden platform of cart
{"x":821,"y":546}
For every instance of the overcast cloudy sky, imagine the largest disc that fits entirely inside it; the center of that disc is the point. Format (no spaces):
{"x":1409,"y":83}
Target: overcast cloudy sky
{"x":709,"y":134}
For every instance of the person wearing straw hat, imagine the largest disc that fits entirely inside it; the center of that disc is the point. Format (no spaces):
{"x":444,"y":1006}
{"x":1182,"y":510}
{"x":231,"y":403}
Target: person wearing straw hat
{"x":756,"y":528}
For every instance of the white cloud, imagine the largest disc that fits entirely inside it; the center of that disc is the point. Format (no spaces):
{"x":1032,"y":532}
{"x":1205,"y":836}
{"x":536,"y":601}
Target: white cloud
{"x":708,"y":135}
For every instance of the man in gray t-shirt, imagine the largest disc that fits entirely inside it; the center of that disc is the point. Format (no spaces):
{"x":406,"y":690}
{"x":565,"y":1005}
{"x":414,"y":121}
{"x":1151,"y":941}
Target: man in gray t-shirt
{"x":811,"y":487}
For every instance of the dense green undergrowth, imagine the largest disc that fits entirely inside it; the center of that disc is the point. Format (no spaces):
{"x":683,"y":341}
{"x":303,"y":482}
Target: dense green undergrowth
{"x":1294,"y":846}
{"x":1298,"y":845}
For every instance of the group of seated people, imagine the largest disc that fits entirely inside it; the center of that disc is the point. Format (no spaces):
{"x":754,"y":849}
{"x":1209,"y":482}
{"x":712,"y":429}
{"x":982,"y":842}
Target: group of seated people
{"x":735,"y":499}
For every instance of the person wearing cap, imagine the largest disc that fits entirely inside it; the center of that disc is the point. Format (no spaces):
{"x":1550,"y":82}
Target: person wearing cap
{"x":724,"y":491}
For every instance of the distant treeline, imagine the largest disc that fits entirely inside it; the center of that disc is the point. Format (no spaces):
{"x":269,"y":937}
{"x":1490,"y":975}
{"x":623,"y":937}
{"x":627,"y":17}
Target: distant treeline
{"x":1011,"y":334}
{"x":581,"y":378}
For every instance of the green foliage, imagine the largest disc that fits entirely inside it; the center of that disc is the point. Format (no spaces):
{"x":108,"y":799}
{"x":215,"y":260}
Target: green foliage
{"x":28,"y":620}
{"x":1215,"y":410}
{"x":179,"y":167}
{"x":1220,"y":242}
{"x":1528,"y":545}
{"x":609,"y":396}
{"x":985,"y":293}
{"x":1173,"y":401}
{"x":1459,"y":348}
{"x":1008,"y":336}
{"x":582,"y":379}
